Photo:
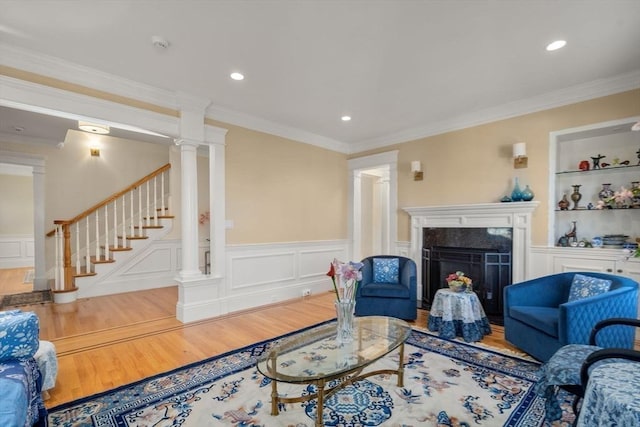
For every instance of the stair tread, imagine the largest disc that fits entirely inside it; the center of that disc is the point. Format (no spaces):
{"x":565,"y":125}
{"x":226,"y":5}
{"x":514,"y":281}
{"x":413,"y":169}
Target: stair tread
{"x":83,"y":273}
{"x":150,"y":226}
{"x":117,"y":248}
{"x":102,"y":260}
{"x":162,"y":217}
{"x":135,"y":237}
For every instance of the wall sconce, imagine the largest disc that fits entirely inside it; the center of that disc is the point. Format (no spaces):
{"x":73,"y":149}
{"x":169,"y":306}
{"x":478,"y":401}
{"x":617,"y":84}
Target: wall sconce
{"x":416,"y":168}
{"x":95,"y":152}
{"x":520,"y":159}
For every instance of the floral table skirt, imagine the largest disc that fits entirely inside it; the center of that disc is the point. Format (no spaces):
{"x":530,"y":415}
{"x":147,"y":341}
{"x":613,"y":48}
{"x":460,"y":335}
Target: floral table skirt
{"x":458,"y":314}
{"x":612,"y":396}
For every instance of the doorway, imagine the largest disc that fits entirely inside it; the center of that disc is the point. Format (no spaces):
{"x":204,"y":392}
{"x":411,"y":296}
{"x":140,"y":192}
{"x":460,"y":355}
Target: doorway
{"x":373,"y":204}
{"x":16,"y":229}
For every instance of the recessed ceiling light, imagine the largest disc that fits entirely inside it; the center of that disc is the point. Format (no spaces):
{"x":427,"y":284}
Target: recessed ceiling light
{"x":558,"y":44}
{"x":237,"y":76}
{"x":346,"y":118}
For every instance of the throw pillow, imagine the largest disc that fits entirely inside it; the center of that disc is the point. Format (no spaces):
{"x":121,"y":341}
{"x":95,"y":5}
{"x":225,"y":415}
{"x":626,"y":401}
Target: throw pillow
{"x":386,"y":270}
{"x":585,"y":286}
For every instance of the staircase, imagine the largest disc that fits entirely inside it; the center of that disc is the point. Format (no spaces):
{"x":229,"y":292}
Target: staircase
{"x":102,"y":240}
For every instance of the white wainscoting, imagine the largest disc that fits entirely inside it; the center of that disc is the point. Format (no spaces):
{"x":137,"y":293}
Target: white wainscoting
{"x":16,"y":251}
{"x":260,"y":274}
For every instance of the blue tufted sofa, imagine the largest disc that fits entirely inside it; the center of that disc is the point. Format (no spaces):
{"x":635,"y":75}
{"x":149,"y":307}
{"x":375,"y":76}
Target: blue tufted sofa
{"x":384,"y":297}
{"x":539,"y":319}
{"x":21,"y":403}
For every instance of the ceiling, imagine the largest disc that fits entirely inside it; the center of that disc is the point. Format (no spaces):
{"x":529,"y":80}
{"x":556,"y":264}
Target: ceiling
{"x":400,"y":69}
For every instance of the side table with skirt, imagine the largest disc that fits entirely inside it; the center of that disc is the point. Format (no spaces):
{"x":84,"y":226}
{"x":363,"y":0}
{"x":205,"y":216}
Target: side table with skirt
{"x":458,"y":314}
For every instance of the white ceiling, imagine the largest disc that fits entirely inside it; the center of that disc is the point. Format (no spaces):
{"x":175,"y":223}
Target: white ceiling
{"x":401,"y":69}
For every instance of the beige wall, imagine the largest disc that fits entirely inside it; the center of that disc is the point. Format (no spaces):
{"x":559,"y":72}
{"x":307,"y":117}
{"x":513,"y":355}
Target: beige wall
{"x":279,"y":190}
{"x":474,"y":165}
{"x":16,"y":208}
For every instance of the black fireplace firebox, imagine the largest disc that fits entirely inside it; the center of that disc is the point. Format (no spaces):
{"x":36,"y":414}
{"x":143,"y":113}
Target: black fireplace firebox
{"x":483,"y":254}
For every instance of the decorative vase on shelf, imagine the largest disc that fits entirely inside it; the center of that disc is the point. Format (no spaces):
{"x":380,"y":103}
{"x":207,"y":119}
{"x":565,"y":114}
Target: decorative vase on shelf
{"x":516,"y":194}
{"x":344,"y":312}
{"x":564,"y":203}
{"x":527,"y":194}
{"x":606,"y":192}
{"x":576,"y":196}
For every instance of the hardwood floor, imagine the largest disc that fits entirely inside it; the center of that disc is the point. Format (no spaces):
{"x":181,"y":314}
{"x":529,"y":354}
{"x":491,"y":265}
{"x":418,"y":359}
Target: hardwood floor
{"x":106,"y":342}
{"x":12,"y":281}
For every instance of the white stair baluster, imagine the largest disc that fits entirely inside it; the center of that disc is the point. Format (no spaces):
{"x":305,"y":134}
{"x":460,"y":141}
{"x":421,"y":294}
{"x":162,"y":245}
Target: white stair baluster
{"x":124,"y":221}
{"x":140,"y":210}
{"x":106,"y":232}
{"x":115,"y":223}
{"x":131,"y":213}
{"x":97,"y":252}
{"x":77,"y":239}
{"x":87,"y":261}
{"x":148,"y":207}
{"x":155,"y":201}
{"x":162,"y":193}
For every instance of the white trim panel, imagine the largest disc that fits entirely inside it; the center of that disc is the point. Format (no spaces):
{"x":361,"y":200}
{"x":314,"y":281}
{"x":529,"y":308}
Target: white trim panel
{"x":16,"y":251}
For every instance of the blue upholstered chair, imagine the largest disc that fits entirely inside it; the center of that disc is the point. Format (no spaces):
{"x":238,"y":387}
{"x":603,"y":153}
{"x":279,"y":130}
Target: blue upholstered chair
{"x":544,"y":314}
{"x":388,"y":288}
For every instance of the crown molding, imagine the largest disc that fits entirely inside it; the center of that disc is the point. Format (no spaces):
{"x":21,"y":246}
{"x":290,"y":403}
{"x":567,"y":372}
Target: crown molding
{"x":559,"y":98}
{"x":50,"y":66}
{"x":58,"y":102}
{"x":262,"y":125}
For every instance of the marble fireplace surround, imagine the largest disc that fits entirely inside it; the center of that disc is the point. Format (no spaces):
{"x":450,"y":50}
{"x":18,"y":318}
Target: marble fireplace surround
{"x":514,"y":215}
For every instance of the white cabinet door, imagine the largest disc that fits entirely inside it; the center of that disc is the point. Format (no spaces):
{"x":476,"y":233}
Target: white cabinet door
{"x":630,"y":268}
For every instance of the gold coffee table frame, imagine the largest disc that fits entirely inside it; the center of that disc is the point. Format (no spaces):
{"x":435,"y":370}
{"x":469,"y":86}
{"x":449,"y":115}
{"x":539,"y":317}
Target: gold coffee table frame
{"x":289,"y":361}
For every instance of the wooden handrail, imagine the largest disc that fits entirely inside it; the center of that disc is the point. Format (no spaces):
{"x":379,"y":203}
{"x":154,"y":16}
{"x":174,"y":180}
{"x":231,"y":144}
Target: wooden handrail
{"x":109,"y":199}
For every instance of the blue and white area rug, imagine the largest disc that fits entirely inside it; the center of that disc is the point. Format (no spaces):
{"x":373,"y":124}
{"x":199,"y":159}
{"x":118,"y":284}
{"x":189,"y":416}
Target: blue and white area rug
{"x":447,"y":383}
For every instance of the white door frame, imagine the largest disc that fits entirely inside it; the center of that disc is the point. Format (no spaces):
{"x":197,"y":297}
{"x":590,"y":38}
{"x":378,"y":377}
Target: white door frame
{"x":388,"y":160}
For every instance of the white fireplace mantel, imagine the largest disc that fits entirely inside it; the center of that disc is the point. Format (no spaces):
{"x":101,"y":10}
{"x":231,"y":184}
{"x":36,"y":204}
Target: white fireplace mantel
{"x":514,"y":215}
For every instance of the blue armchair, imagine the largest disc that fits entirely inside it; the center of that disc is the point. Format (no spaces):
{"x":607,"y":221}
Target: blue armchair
{"x":539,"y":318}
{"x":388,"y":288}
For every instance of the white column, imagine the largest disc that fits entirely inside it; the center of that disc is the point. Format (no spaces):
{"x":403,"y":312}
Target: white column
{"x":40,"y":276}
{"x":217,"y":224}
{"x":189,"y":216}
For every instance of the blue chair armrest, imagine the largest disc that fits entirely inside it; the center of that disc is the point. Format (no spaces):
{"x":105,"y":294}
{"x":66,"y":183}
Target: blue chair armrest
{"x":577,"y":318}
{"x":408,"y":279}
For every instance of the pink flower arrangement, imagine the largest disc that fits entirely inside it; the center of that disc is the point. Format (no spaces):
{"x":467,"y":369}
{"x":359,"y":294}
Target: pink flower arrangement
{"x":459,"y":280}
{"x":345,"y":277}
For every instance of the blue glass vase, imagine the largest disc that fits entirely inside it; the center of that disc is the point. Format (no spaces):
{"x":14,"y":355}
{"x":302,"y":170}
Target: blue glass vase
{"x":527,"y":194}
{"x":516,"y":194}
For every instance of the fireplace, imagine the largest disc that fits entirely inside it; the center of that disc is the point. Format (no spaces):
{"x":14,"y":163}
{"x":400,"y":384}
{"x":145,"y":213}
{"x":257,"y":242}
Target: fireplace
{"x":514,"y":216}
{"x":483,"y":254}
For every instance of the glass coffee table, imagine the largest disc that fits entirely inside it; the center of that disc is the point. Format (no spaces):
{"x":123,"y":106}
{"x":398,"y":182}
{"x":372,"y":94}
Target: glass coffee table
{"x":315,"y":357}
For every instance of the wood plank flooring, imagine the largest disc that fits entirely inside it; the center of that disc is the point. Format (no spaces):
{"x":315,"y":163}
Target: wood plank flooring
{"x":12,"y":281}
{"x":106,"y":342}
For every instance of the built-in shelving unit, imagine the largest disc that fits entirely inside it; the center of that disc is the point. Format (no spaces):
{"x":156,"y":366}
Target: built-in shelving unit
{"x":619,"y":146}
